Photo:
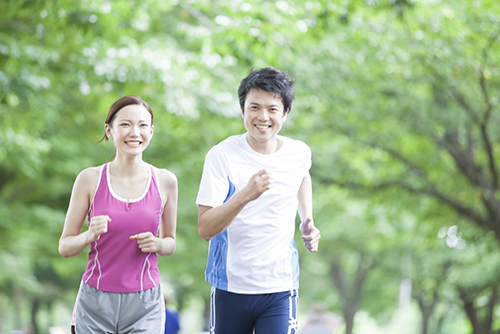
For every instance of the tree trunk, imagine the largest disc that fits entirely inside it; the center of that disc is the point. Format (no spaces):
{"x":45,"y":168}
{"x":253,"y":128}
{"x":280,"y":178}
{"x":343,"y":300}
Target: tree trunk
{"x":439,"y":325}
{"x":349,"y":313}
{"x":35,"y":306}
{"x":426,"y":310}
{"x":425,"y":324}
{"x":349,"y":324}
{"x":469,"y":309}
{"x":479,"y":326}
{"x":351,"y":294}
{"x":17,"y":296}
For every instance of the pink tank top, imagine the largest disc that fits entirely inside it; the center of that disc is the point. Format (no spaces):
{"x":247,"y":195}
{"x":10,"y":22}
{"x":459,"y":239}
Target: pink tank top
{"x":116,"y":263}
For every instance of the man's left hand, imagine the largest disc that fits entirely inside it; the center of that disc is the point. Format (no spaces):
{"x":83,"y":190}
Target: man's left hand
{"x":310,"y":235}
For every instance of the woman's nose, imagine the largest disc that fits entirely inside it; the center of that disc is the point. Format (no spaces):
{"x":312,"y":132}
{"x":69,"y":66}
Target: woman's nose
{"x":134,"y":131}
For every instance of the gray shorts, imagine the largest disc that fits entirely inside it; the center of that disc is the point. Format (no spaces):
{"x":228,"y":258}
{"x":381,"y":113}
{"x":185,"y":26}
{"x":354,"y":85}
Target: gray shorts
{"x":100,"y":312}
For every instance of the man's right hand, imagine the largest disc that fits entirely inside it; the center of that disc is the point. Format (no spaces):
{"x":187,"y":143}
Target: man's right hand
{"x":258,"y":184}
{"x":212,"y":221}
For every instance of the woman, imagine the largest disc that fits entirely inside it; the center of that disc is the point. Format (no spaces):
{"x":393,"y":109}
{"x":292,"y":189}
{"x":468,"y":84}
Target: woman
{"x":127,"y":202}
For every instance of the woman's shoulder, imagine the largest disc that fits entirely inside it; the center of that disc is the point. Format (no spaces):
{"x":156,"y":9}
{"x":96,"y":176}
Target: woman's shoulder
{"x":86,"y":181}
{"x":90,"y":173}
{"x":165,"y":176}
{"x":88,"y":177}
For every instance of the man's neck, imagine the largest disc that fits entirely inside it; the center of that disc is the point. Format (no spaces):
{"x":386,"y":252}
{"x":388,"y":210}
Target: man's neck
{"x":268,"y":147}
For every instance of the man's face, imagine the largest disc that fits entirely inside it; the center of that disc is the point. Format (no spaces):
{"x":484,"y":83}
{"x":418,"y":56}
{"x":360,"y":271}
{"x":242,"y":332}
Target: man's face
{"x":263,"y":116}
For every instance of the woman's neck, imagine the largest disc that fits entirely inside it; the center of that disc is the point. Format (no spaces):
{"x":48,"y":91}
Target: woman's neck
{"x":128,"y":167}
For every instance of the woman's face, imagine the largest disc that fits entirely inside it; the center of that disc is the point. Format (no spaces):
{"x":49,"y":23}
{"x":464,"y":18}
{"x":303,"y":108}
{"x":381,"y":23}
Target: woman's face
{"x":131,"y":129}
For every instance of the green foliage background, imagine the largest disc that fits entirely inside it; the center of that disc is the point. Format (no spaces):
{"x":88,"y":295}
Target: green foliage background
{"x":398,"y":99}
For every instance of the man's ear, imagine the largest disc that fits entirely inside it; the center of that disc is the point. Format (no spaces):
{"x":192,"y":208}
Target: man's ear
{"x":285,"y":114}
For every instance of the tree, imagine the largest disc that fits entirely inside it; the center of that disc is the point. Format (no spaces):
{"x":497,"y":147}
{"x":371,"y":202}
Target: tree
{"x":476,"y":284}
{"x":395,"y":98}
{"x":360,"y":255}
{"x":425,"y":118}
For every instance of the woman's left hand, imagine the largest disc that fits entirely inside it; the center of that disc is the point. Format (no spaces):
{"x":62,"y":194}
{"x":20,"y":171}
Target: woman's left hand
{"x":147,"y":242}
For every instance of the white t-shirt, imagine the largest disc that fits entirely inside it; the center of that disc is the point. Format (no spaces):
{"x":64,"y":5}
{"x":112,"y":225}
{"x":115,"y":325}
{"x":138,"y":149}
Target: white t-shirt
{"x":256,"y":253}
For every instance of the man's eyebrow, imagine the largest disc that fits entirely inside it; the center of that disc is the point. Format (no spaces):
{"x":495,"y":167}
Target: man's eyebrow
{"x":270,"y":105}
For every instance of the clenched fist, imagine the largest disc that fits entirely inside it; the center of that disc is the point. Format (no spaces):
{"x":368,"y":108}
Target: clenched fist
{"x":97,"y":226}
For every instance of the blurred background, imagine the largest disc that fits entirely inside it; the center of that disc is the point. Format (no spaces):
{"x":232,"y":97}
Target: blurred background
{"x":398,"y":100}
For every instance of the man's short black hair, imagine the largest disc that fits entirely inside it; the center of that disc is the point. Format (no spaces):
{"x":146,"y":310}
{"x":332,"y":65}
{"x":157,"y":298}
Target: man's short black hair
{"x":268,"y":79}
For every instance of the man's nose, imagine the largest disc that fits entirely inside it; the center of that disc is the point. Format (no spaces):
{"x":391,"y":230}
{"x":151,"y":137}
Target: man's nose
{"x":264,"y":115}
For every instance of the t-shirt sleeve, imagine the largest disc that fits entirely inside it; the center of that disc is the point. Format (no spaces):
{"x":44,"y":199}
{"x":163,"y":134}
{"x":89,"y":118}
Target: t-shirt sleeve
{"x":305,"y":153}
{"x":214,"y":184}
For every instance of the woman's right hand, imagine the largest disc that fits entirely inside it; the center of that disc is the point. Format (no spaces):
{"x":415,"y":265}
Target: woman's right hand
{"x":98,"y":225}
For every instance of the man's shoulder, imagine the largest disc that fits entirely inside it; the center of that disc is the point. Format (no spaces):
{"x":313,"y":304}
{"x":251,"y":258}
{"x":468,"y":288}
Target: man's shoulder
{"x":296,"y":145}
{"x":231,"y":140}
{"x":228,"y":144}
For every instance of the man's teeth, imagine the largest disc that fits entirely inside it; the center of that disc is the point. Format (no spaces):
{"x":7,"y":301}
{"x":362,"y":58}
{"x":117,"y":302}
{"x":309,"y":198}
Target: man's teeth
{"x":262,"y":126}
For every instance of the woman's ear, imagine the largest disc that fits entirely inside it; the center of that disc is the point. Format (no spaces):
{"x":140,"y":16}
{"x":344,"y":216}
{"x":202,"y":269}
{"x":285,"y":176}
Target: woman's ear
{"x":107,"y":130}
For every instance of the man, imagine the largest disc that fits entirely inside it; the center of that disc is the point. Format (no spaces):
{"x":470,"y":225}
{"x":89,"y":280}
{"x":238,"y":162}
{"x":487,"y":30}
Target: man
{"x":171,"y":322}
{"x":251,"y":188}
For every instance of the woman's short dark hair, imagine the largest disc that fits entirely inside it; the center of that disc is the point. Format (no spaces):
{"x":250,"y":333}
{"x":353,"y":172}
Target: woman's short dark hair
{"x":268,"y":79}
